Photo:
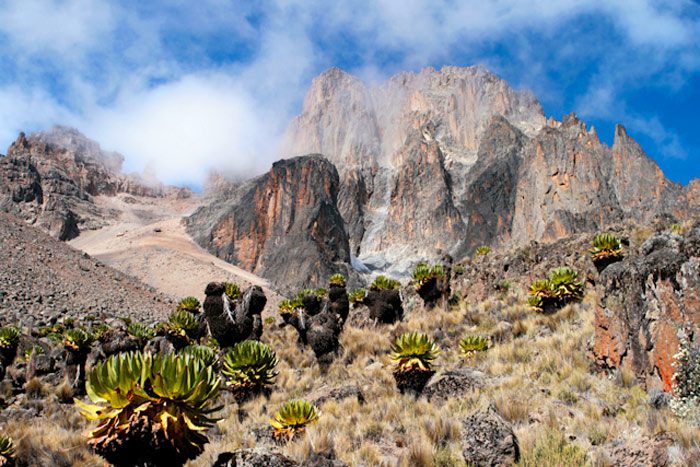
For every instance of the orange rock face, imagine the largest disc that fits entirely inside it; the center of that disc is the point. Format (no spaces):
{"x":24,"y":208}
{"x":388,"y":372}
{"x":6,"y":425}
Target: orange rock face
{"x":647,"y":302}
{"x":284,"y":225}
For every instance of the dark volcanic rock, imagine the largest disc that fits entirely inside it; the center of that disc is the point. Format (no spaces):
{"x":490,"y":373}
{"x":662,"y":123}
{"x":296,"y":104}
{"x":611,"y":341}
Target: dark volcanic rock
{"x":643,"y":452}
{"x":49,"y":179}
{"x":232,"y":322}
{"x":454,"y":383}
{"x":487,"y":439}
{"x":648,"y":301}
{"x":284,"y":226}
{"x":255,"y":457}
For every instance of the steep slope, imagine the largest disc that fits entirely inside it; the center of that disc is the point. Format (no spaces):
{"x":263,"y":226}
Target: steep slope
{"x":50,"y":178}
{"x":43,"y":279}
{"x":283,"y":226}
{"x":150,"y":243}
{"x":500,"y":172}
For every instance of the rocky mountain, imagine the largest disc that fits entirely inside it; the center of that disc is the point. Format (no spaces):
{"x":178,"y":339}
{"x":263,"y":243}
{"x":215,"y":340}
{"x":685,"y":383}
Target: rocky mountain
{"x":50,"y":179}
{"x":444,"y":161}
{"x":284,"y":226}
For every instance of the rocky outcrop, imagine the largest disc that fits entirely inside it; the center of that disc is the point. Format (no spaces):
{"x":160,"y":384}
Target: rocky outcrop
{"x":444,"y":161}
{"x":647,"y":302}
{"x":49,"y":179}
{"x":284,"y":226}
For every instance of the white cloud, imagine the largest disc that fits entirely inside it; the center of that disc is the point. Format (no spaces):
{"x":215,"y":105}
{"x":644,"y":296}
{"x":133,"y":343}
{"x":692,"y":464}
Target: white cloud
{"x":143,"y":78}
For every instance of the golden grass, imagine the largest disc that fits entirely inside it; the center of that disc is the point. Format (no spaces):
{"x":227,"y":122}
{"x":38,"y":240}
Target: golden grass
{"x":538,"y":378}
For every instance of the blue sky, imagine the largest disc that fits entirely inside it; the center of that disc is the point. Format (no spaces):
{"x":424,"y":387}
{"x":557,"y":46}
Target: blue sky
{"x":180,"y":87}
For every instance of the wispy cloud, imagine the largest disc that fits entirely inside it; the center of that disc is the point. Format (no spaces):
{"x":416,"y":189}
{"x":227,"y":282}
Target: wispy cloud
{"x":183,"y":87}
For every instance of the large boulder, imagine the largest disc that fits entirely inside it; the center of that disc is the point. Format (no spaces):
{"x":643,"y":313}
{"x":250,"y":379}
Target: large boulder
{"x":648,"y":302}
{"x":487,"y":439}
{"x":254,"y":457}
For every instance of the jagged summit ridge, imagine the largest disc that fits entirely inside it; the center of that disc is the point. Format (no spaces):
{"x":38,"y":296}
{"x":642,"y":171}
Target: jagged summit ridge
{"x":444,"y":160}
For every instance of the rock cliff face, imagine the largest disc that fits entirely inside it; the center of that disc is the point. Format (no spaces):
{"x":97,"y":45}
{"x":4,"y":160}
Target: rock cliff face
{"x":49,"y":179}
{"x":648,"y":301}
{"x":443,"y":161}
{"x":284,"y":226}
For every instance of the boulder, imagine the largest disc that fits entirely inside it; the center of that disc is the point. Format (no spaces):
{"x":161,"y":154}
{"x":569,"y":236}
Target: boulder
{"x":254,"y":457}
{"x":641,"y":452}
{"x":487,"y":439}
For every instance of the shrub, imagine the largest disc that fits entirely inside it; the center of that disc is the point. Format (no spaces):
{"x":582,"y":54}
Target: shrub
{"x":472,"y":344}
{"x":337,"y":279}
{"x":414,"y":351}
{"x":535,"y":303}
{"x":605,"y":246}
{"x":560,"y":287}
{"x":9,"y":337}
{"x":190,"y":304}
{"x":384,"y":283}
{"x":77,"y":340}
{"x":250,"y":364}
{"x":183,"y":323}
{"x":141,"y":331}
{"x":7,"y":450}
{"x":482,"y":250}
{"x":320,"y":292}
{"x":232,"y":291}
{"x":686,"y":382}
{"x":206,"y":354}
{"x":423,"y":273}
{"x":293,"y":417}
{"x":564,"y":285}
{"x":289,"y":306}
{"x":150,"y":408}
{"x":99,"y":331}
{"x":357,"y":296}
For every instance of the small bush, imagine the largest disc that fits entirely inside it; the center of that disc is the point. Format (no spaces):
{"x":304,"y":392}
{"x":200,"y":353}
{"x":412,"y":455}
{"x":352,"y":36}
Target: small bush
{"x":384,"y":283}
{"x":293,"y":418}
{"x":473,"y":344}
{"x":482,"y":250}
{"x":190,"y":304}
{"x":414,"y":350}
{"x":232,"y":291}
{"x":357,"y":296}
{"x":686,"y":383}
{"x":337,"y":279}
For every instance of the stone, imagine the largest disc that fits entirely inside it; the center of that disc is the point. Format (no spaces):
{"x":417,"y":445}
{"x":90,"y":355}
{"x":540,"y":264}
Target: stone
{"x":254,"y":457}
{"x":454,"y":384}
{"x":49,"y":179}
{"x":487,"y":439}
{"x":641,"y":452}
